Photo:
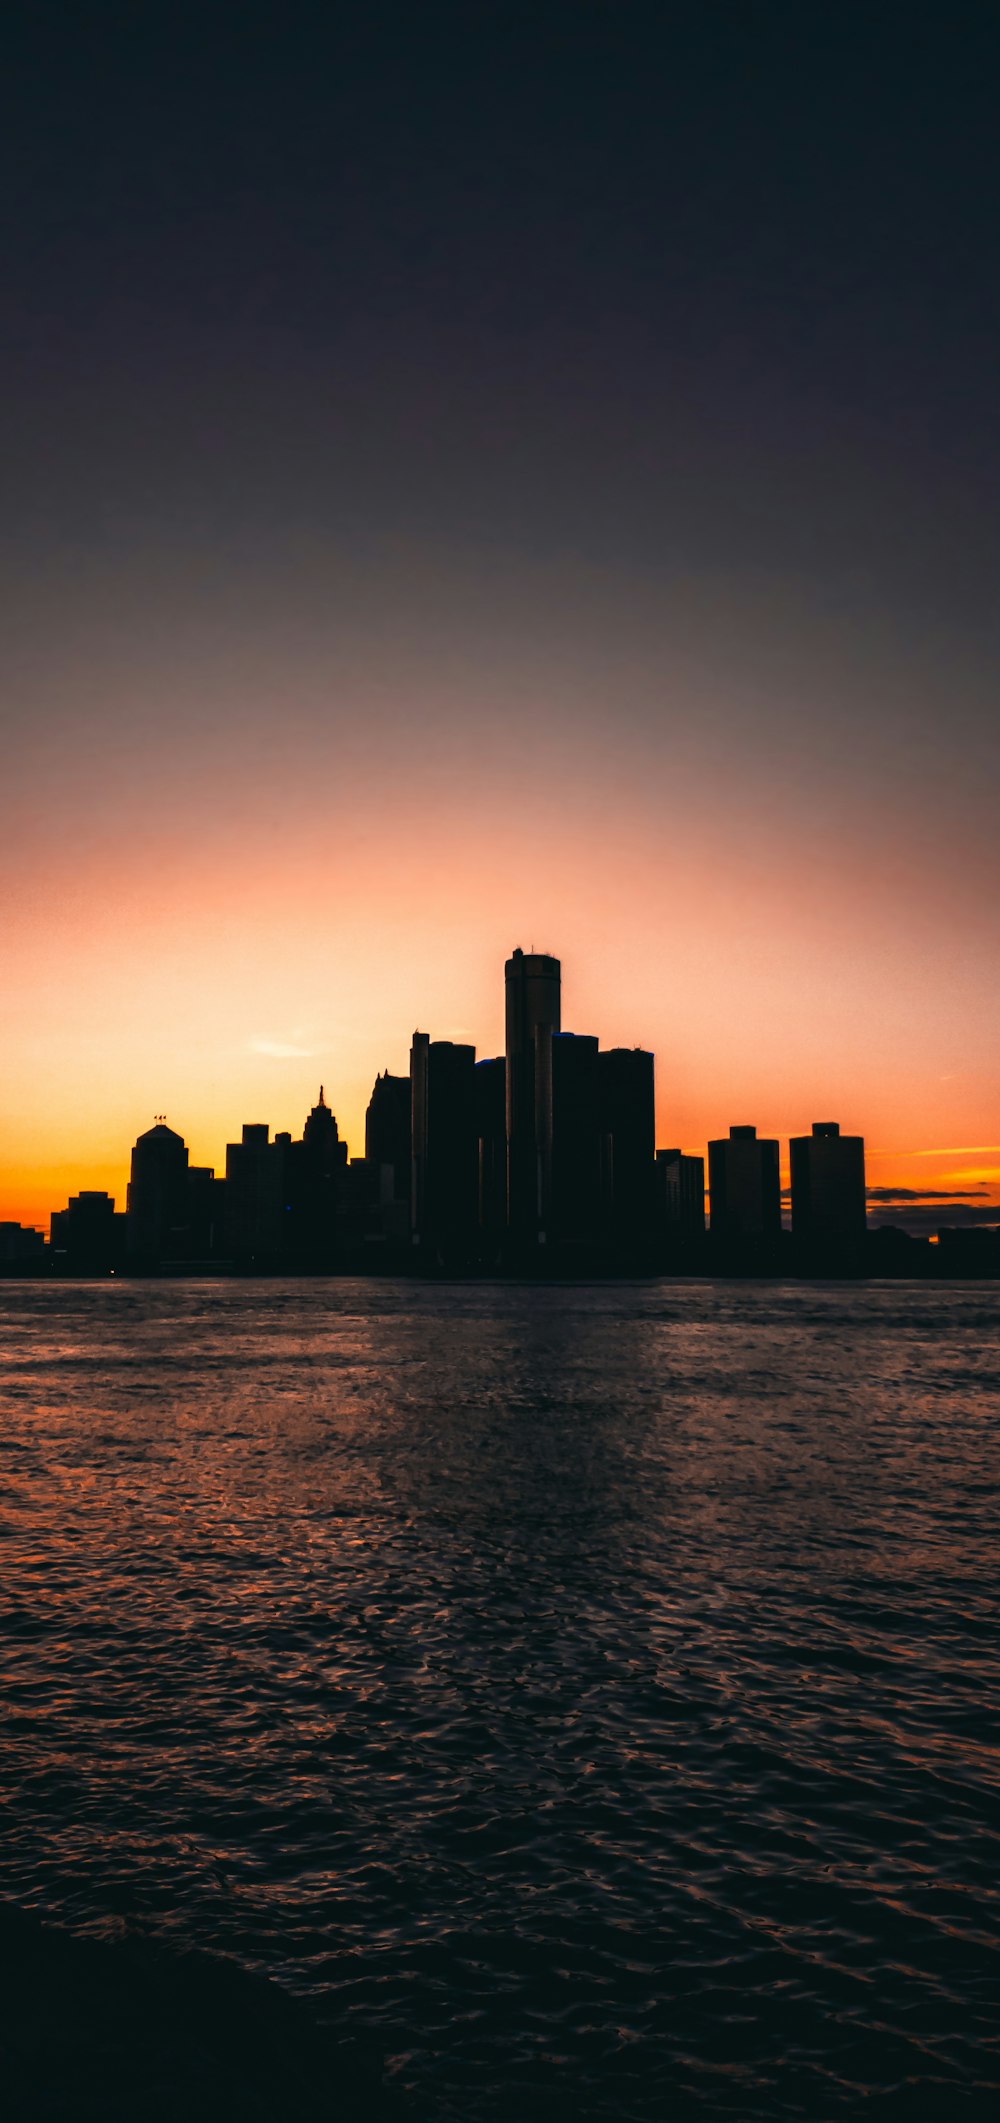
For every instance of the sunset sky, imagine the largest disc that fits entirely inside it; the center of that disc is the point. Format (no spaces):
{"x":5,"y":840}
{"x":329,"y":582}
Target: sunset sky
{"x":489,"y":477}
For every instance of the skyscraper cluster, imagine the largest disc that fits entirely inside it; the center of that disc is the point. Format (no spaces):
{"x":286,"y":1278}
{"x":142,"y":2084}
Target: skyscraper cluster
{"x":543,"y":1158}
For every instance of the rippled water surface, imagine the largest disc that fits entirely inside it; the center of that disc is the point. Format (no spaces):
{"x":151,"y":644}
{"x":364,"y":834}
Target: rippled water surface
{"x":593,"y":1691}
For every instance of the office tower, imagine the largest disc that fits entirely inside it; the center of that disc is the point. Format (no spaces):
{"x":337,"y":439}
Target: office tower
{"x":87,"y":1235}
{"x":420,"y":1047}
{"x":255,"y":1217}
{"x":491,"y":1135}
{"x":445,"y":1187}
{"x":680,"y":1197}
{"x":360,"y":1218}
{"x":157,"y":1211}
{"x":744,"y":1187}
{"x":574,"y":1212}
{"x":316,"y":1188}
{"x":828,"y":1186}
{"x":206,"y":1213}
{"x":387,"y":1128}
{"x":628,"y":1143}
{"x":533,"y":1015}
{"x":388,"y":1153}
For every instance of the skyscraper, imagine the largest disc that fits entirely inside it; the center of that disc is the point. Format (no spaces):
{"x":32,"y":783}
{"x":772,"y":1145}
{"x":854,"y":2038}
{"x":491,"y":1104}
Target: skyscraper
{"x":628,"y":1143}
{"x":574,"y":1214}
{"x":828,"y":1186}
{"x":387,"y":1132}
{"x":680,"y":1197}
{"x":533,"y":1015}
{"x":255,"y":1196}
{"x":491,"y":1135}
{"x":157,"y":1196}
{"x":445,"y":1189}
{"x":388,"y":1156}
{"x":744,"y":1186}
{"x":317,"y":1168}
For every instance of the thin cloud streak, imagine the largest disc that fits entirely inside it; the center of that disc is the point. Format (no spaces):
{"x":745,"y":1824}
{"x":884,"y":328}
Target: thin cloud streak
{"x":280,"y":1050}
{"x":963,"y":1150}
{"x":925,"y":1194}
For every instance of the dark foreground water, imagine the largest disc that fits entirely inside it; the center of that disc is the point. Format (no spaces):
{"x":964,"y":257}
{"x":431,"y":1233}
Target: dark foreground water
{"x":590,"y":1692}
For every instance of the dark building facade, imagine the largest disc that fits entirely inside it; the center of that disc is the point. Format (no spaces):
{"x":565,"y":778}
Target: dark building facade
{"x":157,"y":1214}
{"x":388,"y":1130}
{"x":388,"y":1156}
{"x":295,"y":1204}
{"x":317,"y":1188}
{"x":445,"y":1185}
{"x":744,"y":1186}
{"x":359,"y":1219}
{"x":680,"y":1197}
{"x":533,"y":1006}
{"x":628,"y":1144}
{"x":968,"y":1252}
{"x":206,"y":1213}
{"x":88,"y":1236}
{"x":256,"y":1181}
{"x":575,"y":1190}
{"x":829,"y":1204}
{"x":19,"y":1244}
{"x":491,"y":1137}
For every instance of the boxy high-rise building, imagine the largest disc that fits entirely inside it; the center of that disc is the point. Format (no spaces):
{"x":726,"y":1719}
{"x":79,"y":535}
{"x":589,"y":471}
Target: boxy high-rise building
{"x":316,"y":1193}
{"x":575,"y":1198}
{"x":628,"y":1142}
{"x":445,"y":1187}
{"x":88,"y":1233}
{"x":533,"y":1004}
{"x":491,"y":1137}
{"x":828,"y":1187}
{"x":157,"y":1200}
{"x":744,"y":1186}
{"x":387,"y":1132}
{"x":680,"y":1197}
{"x":388,"y":1156}
{"x":255,"y":1217}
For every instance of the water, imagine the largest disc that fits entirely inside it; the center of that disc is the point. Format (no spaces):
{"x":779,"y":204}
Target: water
{"x":591,"y":1692}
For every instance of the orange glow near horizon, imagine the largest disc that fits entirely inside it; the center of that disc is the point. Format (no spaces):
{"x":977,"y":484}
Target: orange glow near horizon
{"x":220,"y":991}
{"x":213,"y":907}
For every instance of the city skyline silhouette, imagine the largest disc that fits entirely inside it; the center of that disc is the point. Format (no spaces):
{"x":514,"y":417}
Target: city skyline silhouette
{"x":543,"y":1159}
